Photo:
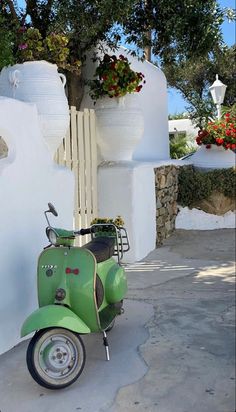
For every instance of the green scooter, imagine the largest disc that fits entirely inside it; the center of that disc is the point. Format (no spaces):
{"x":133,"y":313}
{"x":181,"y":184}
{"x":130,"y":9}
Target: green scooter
{"x":80,"y":291}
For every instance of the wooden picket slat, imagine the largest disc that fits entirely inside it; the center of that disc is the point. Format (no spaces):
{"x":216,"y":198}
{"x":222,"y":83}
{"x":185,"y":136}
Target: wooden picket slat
{"x":78,"y":152}
{"x":87,"y":164}
{"x":82,"y":187}
{"x":93,"y":144}
{"x":74,"y":156}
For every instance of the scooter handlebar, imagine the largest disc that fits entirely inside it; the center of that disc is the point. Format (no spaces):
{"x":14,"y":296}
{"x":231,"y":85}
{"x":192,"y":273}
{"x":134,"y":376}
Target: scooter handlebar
{"x":83,"y":232}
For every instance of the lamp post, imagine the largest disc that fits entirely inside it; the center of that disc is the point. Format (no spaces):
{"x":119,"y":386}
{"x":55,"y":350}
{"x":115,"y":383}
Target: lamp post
{"x":218,"y":93}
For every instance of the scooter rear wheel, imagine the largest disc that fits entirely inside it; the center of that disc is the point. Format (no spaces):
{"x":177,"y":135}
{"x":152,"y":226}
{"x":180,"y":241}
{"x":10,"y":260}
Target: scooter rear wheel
{"x":55,"y":357}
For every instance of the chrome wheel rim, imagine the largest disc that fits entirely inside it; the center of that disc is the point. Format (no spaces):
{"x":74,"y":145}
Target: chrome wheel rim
{"x":58,"y":356}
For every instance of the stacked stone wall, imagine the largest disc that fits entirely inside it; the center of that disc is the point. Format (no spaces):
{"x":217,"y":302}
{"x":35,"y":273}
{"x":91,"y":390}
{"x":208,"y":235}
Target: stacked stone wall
{"x":3,"y":148}
{"x":166,"y":184}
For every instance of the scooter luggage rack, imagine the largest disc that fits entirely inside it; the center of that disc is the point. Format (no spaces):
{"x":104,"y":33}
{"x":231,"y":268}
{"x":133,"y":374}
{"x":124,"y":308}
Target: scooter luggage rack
{"x":118,"y":233}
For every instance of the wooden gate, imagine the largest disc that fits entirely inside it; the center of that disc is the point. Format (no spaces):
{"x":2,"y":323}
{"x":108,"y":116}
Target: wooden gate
{"x":78,"y":152}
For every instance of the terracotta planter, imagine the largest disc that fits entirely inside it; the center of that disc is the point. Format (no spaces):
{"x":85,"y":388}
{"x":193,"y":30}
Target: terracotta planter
{"x":39,"y":82}
{"x":214,"y":158}
{"x":120,"y":126}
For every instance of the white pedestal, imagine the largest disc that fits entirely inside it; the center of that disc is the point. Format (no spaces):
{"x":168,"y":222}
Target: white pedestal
{"x":214,"y":158}
{"x":128,"y":189}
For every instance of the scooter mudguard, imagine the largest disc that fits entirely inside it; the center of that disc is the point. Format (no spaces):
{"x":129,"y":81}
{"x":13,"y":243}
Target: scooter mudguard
{"x":53,"y":316}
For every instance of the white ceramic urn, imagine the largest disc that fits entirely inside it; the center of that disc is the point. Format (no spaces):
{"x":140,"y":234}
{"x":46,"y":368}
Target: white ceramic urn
{"x":39,"y":82}
{"x":120,"y":126}
{"x":214,"y":158}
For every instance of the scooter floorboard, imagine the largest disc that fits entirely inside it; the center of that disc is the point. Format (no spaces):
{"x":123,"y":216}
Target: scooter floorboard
{"x":107,"y":315}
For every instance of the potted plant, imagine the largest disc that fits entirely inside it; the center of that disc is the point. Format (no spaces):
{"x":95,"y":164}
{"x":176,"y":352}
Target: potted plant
{"x":217,"y":143}
{"x":119,"y":117}
{"x":115,"y":78}
{"x":104,"y":227}
{"x":35,"y":79}
{"x":221,"y":133}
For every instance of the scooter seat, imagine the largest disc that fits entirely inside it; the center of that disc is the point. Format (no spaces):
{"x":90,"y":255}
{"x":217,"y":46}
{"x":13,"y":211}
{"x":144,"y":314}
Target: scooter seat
{"x":101,"y":247}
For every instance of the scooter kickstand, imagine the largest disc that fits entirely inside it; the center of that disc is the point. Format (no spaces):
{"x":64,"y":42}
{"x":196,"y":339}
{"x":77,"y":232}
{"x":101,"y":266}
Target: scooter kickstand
{"x":105,"y":342}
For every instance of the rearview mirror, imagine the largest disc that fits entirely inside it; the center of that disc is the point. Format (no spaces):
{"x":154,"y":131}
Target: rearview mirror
{"x":52,"y":209}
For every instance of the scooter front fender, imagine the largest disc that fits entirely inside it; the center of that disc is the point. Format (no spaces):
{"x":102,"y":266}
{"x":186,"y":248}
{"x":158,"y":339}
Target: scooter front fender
{"x":53,"y":316}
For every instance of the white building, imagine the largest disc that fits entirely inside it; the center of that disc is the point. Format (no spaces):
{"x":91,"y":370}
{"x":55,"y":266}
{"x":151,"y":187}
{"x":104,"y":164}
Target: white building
{"x":183,"y":126}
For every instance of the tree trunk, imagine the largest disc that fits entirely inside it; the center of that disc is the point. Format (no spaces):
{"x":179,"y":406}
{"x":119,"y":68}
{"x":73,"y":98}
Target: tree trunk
{"x":75,"y":89}
{"x":148,"y":53}
{"x":148,"y":49}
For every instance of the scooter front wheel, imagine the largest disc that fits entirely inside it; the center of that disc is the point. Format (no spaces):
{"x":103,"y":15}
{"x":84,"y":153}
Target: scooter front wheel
{"x":55,"y":357}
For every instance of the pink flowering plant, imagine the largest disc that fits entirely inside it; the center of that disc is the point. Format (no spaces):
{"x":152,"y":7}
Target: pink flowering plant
{"x":220,"y":133}
{"x":52,"y":48}
{"x":115,"y":78}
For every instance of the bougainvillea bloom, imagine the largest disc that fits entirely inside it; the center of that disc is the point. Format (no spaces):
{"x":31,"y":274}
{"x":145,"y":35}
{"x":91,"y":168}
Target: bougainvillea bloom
{"x":22,"y":46}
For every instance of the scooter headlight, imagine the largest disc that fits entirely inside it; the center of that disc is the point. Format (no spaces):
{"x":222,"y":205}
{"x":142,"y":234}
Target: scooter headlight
{"x":52,"y":236}
{"x":60,"y":294}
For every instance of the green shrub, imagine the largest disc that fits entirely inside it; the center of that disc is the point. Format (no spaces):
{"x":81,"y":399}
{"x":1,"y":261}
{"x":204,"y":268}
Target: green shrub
{"x":195,"y":185}
{"x":180,"y":145}
{"x":6,"y":44}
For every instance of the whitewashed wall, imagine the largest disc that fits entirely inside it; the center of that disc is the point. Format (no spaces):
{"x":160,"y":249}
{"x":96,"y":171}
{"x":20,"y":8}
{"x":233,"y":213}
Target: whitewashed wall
{"x":195,"y":219}
{"x":28,"y":181}
{"x":153,"y":102}
{"x":128,"y":189}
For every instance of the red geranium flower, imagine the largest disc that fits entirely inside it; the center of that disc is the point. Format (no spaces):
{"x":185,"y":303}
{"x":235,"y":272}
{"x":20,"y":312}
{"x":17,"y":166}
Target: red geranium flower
{"x":115,"y":78}
{"x":138,"y":88}
{"x":220,"y":132}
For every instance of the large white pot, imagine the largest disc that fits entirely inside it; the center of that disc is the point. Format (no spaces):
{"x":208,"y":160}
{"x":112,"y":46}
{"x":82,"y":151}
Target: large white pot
{"x":39,"y":82}
{"x":214,"y":158}
{"x":120,"y":126}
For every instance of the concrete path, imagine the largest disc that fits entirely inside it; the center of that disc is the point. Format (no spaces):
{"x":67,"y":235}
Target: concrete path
{"x":172,"y":350}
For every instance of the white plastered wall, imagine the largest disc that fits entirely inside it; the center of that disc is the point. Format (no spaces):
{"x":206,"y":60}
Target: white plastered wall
{"x":153,"y":99}
{"x":128,"y":189}
{"x":28,"y":181}
{"x":195,"y":219}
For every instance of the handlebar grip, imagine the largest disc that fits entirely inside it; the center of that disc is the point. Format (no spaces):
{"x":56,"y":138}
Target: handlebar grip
{"x":85,"y":231}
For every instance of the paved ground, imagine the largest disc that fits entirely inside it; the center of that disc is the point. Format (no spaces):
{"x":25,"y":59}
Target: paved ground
{"x":172,"y":350}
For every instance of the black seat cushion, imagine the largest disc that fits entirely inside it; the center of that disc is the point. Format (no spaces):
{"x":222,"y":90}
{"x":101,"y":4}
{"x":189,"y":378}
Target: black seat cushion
{"x":101,"y":247}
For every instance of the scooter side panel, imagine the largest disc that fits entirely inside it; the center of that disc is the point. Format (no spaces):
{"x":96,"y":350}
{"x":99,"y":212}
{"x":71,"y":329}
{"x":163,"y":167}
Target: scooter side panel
{"x":116,"y":284}
{"x":53,"y":316}
{"x":114,"y":281}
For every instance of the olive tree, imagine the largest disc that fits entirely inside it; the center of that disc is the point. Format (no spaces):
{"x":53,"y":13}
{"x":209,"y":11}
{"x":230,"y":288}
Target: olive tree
{"x":193,"y":77}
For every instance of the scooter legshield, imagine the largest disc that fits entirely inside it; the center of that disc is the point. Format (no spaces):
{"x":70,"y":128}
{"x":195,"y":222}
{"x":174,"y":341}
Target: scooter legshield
{"x":53,"y":316}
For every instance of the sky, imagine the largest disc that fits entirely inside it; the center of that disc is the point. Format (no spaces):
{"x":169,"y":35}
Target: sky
{"x":176,"y":104}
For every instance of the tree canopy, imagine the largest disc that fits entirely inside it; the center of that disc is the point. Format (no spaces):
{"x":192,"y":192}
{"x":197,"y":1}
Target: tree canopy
{"x":193,"y":77}
{"x":177,"y":30}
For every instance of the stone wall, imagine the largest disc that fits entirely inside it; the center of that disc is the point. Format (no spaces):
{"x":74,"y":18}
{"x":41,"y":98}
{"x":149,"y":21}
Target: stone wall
{"x":166,"y":185}
{"x":3,"y":148}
